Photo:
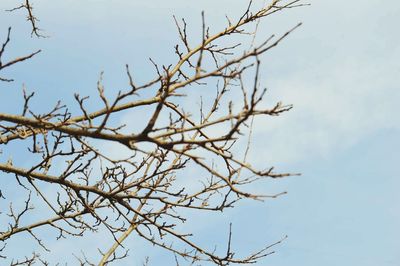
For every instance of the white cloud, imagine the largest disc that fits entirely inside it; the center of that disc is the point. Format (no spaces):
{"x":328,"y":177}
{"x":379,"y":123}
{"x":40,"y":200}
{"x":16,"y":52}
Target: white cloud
{"x":337,"y":103}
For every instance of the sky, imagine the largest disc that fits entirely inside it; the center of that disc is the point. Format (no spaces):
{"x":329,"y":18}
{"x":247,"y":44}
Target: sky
{"x":340,"y":70}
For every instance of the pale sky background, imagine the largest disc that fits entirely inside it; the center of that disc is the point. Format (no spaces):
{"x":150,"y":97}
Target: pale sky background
{"x":341,"y":71}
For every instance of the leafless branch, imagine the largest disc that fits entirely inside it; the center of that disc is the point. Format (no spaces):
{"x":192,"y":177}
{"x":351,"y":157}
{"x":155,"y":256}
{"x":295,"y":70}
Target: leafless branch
{"x":143,"y":194}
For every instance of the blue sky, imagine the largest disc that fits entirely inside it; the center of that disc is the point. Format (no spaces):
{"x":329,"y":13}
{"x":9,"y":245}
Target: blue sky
{"x":340,"y":70}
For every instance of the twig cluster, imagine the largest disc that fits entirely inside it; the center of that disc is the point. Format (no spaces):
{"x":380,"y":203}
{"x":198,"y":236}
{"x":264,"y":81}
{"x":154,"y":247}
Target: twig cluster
{"x":143,"y":193}
{"x":30,"y":17}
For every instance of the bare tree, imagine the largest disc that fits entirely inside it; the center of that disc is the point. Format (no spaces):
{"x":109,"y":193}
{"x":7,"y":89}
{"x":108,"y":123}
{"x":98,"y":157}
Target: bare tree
{"x":143,"y":194}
